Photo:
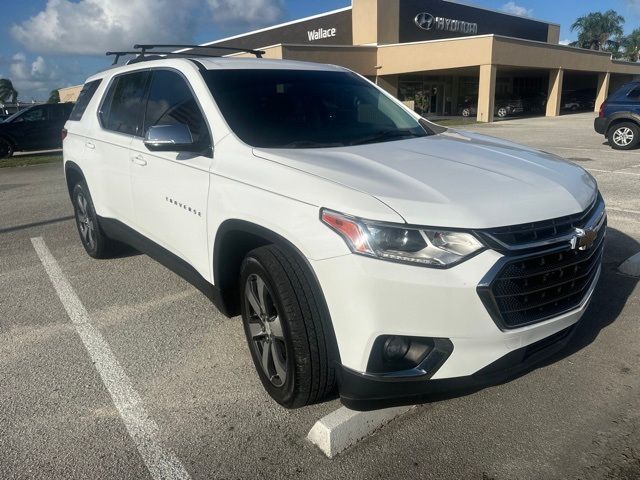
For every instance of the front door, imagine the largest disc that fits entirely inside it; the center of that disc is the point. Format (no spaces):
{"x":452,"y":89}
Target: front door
{"x":170,"y":189}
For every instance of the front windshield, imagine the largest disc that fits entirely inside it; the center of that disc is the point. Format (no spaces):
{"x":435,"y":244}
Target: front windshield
{"x":307,"y":108}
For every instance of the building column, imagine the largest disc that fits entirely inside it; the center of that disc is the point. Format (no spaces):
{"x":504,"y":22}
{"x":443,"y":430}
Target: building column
{"x":389,"y":83}
{"x":604,"y":79}
{"x":554,"y":101}
{"x":487,"y":92}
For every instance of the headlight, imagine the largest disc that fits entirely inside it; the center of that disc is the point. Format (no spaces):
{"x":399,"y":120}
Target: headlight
{"x":421,"y":246}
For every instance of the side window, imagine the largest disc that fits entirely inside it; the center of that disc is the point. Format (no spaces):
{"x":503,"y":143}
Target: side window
{"x":86,"y":94}
{"x":635,"y":93}
{"x":123,"y":109}
{"x":56,"y":112}
{"x":33,"y":115}
{"x":170,"y":102}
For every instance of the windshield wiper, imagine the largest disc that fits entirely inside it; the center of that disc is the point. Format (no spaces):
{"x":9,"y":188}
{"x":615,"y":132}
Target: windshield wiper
{"x":387,"y":135}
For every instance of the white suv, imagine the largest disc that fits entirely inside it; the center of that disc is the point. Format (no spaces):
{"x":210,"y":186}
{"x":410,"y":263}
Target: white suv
{"x":366,"y":248}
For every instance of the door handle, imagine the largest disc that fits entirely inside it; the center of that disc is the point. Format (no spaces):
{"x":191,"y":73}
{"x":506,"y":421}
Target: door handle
{"x":139,"y":160}
{"x":89,"y":145}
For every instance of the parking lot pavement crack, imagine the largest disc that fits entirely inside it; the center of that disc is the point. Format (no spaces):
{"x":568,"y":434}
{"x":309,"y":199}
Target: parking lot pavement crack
{"x":161,"y":463}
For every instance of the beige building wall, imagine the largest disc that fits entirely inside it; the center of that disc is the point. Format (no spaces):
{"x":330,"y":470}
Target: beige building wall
{"x":69,"y":94}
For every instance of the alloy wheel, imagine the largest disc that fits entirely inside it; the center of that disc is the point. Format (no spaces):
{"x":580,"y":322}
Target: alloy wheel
{"x":623,"y":136}
{"x":265,"y":326}
{"x":502,"y":112}
{"x":85,"y":222}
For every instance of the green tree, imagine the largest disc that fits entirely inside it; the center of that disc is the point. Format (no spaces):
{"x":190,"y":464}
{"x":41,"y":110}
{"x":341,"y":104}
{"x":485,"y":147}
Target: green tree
{"x":54,"y":97}
{"x":631,"y":46}
{"x":7,"y":91}
{"x":597,"y":30}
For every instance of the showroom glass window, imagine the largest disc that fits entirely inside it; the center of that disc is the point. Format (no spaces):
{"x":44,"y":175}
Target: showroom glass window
{"x":123,"y":109}
{"x":171,"y":102}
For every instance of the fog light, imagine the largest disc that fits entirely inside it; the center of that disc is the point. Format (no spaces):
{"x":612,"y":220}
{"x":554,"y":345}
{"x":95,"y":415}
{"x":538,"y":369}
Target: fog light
{"x":395,"y":348}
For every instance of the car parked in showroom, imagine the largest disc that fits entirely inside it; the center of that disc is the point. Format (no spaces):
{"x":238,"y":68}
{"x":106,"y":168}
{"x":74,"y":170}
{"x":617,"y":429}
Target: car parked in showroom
{"x":619,"y":117}
{"x":365,"y":248}
{"x":505,"y":106}
{"x":35,"y":128}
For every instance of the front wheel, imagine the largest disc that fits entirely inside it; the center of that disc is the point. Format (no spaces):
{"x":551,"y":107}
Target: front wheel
{"x":502,"y":112}
{"x":284,"y":328}
{"x":624,"y":136}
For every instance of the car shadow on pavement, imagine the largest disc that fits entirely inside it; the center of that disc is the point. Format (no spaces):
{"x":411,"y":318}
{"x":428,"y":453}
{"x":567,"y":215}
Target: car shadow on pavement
{"x":609,"y":299}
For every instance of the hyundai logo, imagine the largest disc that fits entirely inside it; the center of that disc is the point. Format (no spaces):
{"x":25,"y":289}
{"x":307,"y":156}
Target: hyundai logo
{"x":424,"y":21}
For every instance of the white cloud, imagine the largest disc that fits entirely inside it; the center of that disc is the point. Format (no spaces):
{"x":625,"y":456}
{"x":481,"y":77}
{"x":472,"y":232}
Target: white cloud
{"x":246,"y":12}
{"x":565,"y":42}
{"x":91,"y":27}
{"x":514,"y":9}
{"x":33,"y":79}
{"x":95,"y":26}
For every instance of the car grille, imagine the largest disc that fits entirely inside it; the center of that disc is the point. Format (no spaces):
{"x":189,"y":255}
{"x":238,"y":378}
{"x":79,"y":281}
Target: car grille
{"x":537,"y":286}
{"x":528,"y":235}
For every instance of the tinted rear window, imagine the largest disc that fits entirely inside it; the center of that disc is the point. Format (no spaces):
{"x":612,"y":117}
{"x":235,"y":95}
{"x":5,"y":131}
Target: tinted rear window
{"x":84,"y":98}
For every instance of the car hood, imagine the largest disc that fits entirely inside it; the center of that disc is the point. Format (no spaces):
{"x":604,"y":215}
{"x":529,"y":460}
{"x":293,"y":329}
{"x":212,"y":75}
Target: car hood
{"x":454,"y":179}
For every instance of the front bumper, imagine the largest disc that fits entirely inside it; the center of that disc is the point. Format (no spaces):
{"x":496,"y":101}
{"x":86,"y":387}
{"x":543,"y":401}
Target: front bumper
{"x":361,"y":392}
{"x":368,"y":298}
{"x":600,"y":125}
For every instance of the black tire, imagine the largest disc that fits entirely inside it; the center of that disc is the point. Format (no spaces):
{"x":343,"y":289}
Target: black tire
{"x":6,"y":148}
{"x":624,"y":136}
{"x":93,"y":239}
{"x":304,"y":347}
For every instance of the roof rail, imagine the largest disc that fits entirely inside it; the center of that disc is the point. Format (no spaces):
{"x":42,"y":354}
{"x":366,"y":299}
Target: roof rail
{"x":145,"y":47}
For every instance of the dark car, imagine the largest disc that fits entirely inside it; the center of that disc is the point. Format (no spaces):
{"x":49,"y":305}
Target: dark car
{"x":619,"y":117}
{"x":504,"y":107}
{"x":35,"y":128}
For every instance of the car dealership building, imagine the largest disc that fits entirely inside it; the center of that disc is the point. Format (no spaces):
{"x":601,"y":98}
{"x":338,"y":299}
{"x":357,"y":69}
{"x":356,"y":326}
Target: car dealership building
{"x":444,"y":58}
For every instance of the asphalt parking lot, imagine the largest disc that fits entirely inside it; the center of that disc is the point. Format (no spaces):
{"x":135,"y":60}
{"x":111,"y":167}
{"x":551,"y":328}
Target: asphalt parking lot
{"x":577,"y":416}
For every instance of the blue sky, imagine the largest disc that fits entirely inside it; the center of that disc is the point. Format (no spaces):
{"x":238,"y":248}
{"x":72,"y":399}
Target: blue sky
{"x":46,"y":44}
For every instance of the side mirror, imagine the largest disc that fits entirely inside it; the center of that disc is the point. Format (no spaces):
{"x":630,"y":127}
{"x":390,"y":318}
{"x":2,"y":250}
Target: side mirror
{"x":170,"y":138}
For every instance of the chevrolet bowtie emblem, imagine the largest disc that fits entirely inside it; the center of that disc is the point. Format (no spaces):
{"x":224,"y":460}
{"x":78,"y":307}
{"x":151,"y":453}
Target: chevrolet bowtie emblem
{"x":583,"y":239}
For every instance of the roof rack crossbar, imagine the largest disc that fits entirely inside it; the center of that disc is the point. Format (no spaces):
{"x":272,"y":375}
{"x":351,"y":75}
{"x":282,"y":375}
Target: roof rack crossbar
{"x":145,"y":47}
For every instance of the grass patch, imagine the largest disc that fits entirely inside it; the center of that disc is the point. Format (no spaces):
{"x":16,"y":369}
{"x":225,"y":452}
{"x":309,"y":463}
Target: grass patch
{"x":25,"y":160}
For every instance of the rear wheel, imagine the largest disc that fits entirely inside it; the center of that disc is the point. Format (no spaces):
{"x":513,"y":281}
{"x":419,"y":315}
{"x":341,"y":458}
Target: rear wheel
{"x":94,"y":241}
{"x":6,"y":148}
{"x":284,"y":329}
{"x":624,"y":136}
{"x":502,"y":112}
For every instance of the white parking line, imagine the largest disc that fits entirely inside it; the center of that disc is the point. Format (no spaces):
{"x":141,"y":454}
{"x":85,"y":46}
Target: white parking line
{"x":613,"y":171}
{"x":614,"y":209}
{"x":144,"y":431}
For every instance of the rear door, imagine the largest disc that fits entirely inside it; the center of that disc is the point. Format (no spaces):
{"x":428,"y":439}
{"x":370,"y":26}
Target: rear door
{"x":120,"y":119}
{"x":58,"y":113}
{"x":170,"y":189}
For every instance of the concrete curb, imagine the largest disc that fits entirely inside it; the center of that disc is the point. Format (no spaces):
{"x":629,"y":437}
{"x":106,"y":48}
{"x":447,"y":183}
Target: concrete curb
{"x":631,"y":266}
{"x":340,"y":429}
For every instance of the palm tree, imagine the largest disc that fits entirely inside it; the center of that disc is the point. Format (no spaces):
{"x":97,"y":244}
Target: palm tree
{"x":7,"y":91}
{"x":597,"y":30}
{"x":631,"y":45}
